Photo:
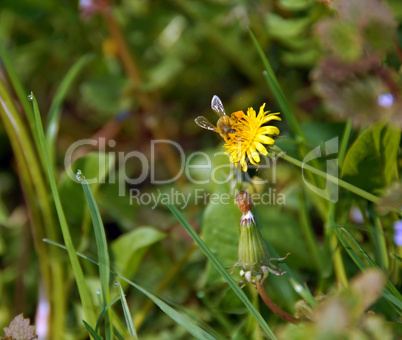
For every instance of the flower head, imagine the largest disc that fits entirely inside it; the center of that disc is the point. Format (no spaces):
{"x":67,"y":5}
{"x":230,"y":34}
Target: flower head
{"x":250,"y":136}
{"x":398,"y":233}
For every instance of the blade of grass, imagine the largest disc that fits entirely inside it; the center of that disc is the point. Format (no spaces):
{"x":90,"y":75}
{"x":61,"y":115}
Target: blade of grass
{"x":273,"y":83}
{"x":390,"y":293}
{"x":92,"y":331}
{"x":188,"y":325}
{"x":19,"y":89}
{"x":221,"y":269}
{"x":344,"y":143}
{"x":127,"y":314}
{"x":192,"y":328}
{"x":79,"y":276}
{"x":101,"y":244}
{"x":53,"y":119}
{"x":41,"y":213}
{"x":104,"y":310}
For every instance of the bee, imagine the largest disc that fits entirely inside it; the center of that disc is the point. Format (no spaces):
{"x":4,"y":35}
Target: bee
{"x":223,"y":126}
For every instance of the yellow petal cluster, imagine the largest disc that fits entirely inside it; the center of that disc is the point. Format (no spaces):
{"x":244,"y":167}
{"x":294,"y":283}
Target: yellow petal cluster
{"x":251,"y":136}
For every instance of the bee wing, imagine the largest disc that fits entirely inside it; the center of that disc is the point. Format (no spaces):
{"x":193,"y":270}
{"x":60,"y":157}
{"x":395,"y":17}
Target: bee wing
{"x":205,"y":123}
{"x":217,"y":106}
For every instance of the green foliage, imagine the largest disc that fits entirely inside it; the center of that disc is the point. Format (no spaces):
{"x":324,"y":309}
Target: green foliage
{"x":220,"y":233}
{"x":135,"y":244}
{"x":375,"y":149}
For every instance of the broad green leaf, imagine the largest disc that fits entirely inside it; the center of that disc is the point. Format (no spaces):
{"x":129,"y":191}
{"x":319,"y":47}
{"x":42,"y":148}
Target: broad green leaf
{"x":102,"y":94}
{"x":282,"y":29}
{"x":301,"y":58}
{"x":220,"y":231}
{"x":370,"y":163}
{"x":295,"y":5}
{"x":396,"y":8}
{"x":344,"y":39}
{"x":130,"y":247}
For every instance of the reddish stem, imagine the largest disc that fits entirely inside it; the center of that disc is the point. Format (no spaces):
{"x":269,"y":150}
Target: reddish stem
{"x":272,"y":306}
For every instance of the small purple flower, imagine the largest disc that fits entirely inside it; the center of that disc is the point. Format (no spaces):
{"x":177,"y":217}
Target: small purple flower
{"x":356,"y":216}
{"x":385,"y":100}
{"x":398,"y":233}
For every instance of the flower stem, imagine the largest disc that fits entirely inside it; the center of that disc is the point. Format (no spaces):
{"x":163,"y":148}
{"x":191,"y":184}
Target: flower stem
{"x":272,"y":306}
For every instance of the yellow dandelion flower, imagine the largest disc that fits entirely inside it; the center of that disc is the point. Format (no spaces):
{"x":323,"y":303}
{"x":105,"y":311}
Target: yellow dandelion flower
{"x":251,"y":136}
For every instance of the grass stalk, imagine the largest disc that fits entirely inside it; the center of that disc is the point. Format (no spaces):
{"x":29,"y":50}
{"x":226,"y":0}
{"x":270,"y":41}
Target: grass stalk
{"x":192,"y":328}
{"x":53,"y":118}
{"x":79,"y":276}
{"x":127,"y":314}
{"x":335,"y":250}
{"x":38,"y":204}
{"x":381,"y":243}
{"x":102,"y":250}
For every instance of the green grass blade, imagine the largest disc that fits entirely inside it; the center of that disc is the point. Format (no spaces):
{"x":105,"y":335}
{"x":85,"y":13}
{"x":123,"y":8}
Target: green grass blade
{"x":19,"y":89}
{"x":188,"y":325}
{"x":40,"y":209}
{"x":79,"y":276}
{"x":390,"y":293}
{"x":273,"y":83}
{"x":53,"y":119}
{"x":127,"y":314}
{"x":221,"y":269}
{"x":101,"y":244}
{"x":192,"y":328}
{"x":105,"y":308}
{"x":91,"y":331}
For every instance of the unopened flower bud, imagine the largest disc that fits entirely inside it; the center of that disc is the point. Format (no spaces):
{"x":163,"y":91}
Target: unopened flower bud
{"x":253,"y":255}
